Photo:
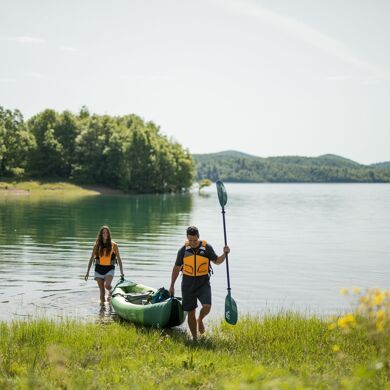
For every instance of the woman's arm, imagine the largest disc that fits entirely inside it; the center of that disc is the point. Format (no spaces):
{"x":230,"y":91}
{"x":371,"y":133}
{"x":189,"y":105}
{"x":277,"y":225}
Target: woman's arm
{"x":90,"y":263}
{"x":119,"y":259}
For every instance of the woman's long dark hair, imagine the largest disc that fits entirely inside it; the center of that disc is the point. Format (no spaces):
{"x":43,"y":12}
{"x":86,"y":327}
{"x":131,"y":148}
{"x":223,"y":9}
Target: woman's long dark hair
{"x":100,"y":247}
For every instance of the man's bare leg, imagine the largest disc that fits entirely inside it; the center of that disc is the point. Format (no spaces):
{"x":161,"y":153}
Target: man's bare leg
{"x":203,"y":313}
{"x":192,"y":323}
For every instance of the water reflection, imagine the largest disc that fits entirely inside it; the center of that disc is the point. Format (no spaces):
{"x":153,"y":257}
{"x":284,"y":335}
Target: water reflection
{"x":53,"y":221}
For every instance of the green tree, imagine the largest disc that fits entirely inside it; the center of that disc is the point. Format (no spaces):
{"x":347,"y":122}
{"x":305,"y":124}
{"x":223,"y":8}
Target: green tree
{"x":155,"y":164}
{"x":141,"y":160}
{"x":99,"y":151}
{"x":183,"y":169}
{"x":15,"y":143}
{"x":46,"y":160}
{"x":66,"y":132}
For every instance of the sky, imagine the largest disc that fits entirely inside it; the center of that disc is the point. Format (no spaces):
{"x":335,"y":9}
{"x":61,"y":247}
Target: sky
{"x":269,"y":78}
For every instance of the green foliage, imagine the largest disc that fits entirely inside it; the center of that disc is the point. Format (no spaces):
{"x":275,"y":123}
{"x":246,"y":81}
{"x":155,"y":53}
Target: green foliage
{"x":283,"y":351}
{"x":240,"y":167}
{"x":99,"y":152}
{"x":15,"y":143}
{"x":119,"y":152}
{"x":164,"y":166}
{"x":55,"y":135}
{"x":204,"y":183}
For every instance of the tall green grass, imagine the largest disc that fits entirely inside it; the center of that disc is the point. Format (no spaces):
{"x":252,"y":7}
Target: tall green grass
{"x":285,"y":351}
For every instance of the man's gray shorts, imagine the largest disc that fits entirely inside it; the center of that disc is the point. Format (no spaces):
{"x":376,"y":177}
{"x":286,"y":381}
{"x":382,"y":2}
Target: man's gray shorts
{"x":191,"y":296}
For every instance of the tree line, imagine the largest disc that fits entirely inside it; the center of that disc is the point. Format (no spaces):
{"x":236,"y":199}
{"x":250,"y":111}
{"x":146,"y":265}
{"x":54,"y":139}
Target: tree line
{"x":239,"y":167}
{"x":122,"y":152}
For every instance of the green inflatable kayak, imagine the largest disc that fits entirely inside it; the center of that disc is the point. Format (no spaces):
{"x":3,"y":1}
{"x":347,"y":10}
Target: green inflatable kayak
{"x":133,"y":302}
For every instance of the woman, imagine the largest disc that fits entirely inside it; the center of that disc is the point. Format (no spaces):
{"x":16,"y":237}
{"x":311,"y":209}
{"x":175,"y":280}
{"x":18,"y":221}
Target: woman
{"x":105,"y":253}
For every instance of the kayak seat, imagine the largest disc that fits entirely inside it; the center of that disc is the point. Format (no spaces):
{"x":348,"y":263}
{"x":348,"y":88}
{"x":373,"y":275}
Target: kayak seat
{"x":137,"y":298}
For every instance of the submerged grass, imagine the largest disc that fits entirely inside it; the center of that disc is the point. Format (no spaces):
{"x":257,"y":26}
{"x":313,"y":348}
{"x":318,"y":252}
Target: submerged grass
{"x":286,"y":351}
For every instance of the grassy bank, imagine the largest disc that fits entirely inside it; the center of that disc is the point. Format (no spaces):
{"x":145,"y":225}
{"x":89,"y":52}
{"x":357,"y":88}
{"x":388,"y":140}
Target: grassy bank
{"x":282,"y":351}
{"x":26,"y":188}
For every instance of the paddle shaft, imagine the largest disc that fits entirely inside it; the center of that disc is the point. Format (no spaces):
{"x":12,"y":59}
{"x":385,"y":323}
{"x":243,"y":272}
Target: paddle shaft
{"x":226,"y":255}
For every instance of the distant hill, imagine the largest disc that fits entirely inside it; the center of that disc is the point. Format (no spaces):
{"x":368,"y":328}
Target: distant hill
{"x":228,"y":154}
{"x":234,"y":166}
{"x":385,"y":164}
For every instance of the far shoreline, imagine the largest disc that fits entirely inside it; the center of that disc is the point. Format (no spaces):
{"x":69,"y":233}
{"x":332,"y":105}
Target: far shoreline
{"x":50,"y":188}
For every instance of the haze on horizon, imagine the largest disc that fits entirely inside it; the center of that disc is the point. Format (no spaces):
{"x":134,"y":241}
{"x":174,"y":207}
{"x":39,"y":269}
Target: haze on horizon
{"x":265,"y":78}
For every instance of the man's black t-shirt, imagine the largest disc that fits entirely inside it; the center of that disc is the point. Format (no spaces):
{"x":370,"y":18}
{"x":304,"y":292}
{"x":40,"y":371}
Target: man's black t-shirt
{"x":191,"y":282}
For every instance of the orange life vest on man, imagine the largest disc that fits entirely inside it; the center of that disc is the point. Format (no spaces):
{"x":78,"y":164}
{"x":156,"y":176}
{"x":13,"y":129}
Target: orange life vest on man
{"x":195,"y":263}
{"x":107,"y":258}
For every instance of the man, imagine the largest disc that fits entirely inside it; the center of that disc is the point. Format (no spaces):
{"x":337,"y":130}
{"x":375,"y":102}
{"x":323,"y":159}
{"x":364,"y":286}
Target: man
{"x":193,"y":260}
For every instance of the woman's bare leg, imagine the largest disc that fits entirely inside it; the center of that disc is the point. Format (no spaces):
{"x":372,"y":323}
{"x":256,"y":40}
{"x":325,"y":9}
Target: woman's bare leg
{"x":107,"y":282}
{"x":100,"y":283}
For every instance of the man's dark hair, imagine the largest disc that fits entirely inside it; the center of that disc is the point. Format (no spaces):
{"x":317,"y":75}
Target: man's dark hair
{"x":192,"y":231}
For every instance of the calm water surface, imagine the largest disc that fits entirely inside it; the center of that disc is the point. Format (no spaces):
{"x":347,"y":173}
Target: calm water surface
{"x":293,"y":246}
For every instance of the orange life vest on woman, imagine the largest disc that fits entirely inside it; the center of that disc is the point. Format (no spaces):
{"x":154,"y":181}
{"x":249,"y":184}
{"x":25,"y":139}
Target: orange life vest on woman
{"x":194,"y":261}
{"x":107,"y":258}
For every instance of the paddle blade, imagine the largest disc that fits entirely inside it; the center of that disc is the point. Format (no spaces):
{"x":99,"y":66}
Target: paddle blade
{"x":222,"y":194}
{"x":231,"y":312}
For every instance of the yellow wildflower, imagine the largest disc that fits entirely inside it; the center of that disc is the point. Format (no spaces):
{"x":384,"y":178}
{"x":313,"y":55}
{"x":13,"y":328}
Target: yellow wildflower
{"x":347,"y":320}
{"x":380,"y":326}
{"x":344,"y":291}
{"x":378,"y":298}
{"x":380,"y":315}
{"x":356,"y":290}
{"x":336,"y":348}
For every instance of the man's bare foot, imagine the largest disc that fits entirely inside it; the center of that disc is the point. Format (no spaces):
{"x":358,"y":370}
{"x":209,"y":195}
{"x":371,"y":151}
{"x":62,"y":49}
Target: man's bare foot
{"x":201,"y":327}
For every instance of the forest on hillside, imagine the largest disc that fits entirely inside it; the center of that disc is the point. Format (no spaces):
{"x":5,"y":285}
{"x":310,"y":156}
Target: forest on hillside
{"x":122,"y":152}
{"x":234,"y":166}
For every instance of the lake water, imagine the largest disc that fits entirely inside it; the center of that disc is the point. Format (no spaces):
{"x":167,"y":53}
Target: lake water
{"x":293,"y":246}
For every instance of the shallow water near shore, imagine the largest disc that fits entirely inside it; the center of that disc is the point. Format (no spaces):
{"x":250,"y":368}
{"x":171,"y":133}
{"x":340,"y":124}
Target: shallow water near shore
{"x":293,"y":246}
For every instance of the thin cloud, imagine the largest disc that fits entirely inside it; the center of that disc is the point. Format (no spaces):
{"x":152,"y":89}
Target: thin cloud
{"x":68,"y":48}
{"x":145,"y":77}
{"x":371,"y":81}
{"x":307,"y":34}
{"x":7,"y":80}
{"x":338,"y":78}
{"x":36,"y":75}
{"x":25,"y":40}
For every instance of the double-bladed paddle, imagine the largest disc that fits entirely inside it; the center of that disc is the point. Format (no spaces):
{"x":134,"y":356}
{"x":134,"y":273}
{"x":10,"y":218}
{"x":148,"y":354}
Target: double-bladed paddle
{"x":231,"y":313}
